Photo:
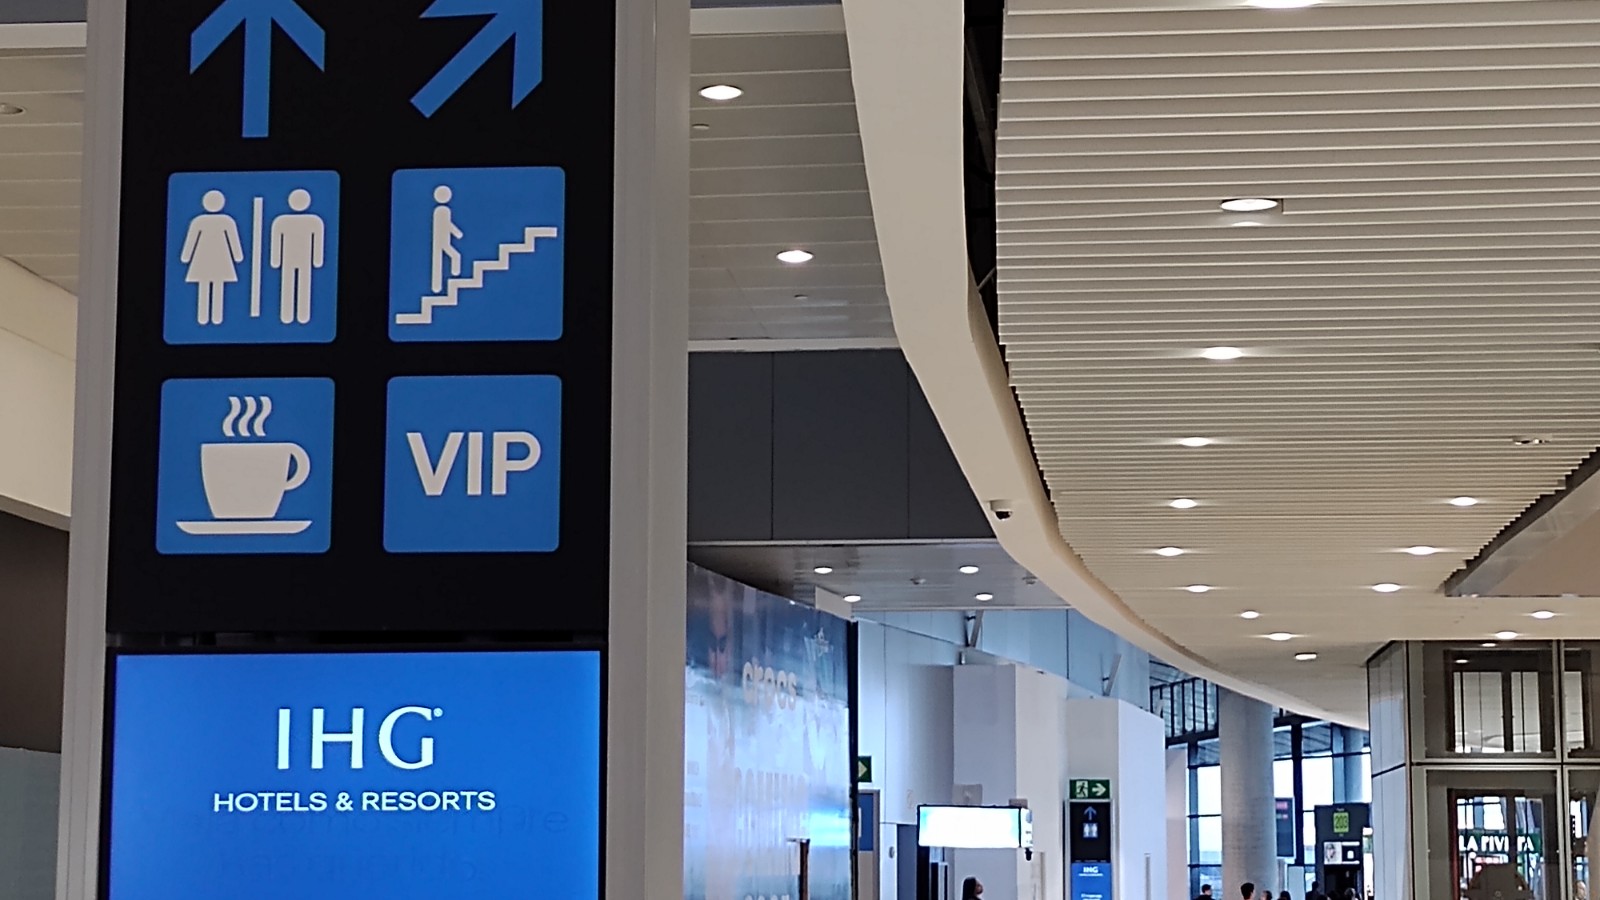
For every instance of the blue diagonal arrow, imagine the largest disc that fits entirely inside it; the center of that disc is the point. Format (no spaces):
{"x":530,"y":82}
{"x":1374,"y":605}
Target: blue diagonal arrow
{"x":521,"y":21}
{"x":256,"y":17}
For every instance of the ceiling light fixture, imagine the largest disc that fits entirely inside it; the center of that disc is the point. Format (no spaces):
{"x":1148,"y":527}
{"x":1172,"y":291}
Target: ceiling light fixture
{"x":1249,"y":204}
{"x":1196,"y":442}
{"x":1184,"y":503}
{"x":1280,"y":636}
{"x":969,"y":570}
{"x":1169,"y":552}
{"x":983,"y":598}
{"x":1246,"y":223}
{"x":1506,"y":635}
{"x":1488,"y":644}
{"x":1542,"y":614}
{"x":1283,"y":4}
{"x":700,"y":126}
{"x":1304,"y":657}
{"x":721,"y":92}
{"x":1422,"y":550}
{"x":1388,"y":587}
{"x":823,"y":570}
{"x":1464,"y":502}
{"x":1222,"y":354}
{"x":11,"y":109}
{"x":1249,"y":614}
{"x":795,"y":257}
{"x":852,"y":598}
{"x":1198,"y":588}
{"x":1532,"y":440}
{"x":1462,"y":662}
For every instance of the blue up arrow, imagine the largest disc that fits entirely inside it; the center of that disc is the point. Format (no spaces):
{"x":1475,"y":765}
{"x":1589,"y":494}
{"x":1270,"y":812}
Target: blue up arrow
{"x":256,"y":17}
{"x":521,"y":21}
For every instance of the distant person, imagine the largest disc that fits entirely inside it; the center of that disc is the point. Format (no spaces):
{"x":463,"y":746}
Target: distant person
{"x":1247,"y":891}
{"x":1352,"y":894}
{"x":971,"y":889}
{"x":1284,"y":895}
{"x":1205,"y":892}
{"x":1316,"y":892}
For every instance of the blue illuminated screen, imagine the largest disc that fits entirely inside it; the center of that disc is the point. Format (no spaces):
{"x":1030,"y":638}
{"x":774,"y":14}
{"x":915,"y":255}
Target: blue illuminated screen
{"x":338,"y":775}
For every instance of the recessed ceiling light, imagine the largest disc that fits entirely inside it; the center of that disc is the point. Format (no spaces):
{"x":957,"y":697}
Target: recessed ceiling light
{"x":1184,"y":503}
{"x":1506,"y":635}
{"x":1532,"y":440}
{"x":1488,"y":644}
{"x":11,"y":109}
{"x":823,"y":570}
{"x":1422,"y":550}
{"x":1543,"y":614}
{"x":852,"y":598}
{"x":795,"y":257}
{"x":1198,"y":588}
{"x":1249,"y":204}
{"x":1388,"y":587}
{"x":1280,"y":636}
{"x":969,"y":570}
{"x":1249,"y":614}
{"x":1246,"y":223}
{"x":1305,"y":657}
{"x":983,"y":598}
{"x":1196,"y":442}
{"x":1462,"y":662}
{"x":1169,"y":552}
{"x":700,"y":126}
{"x":1283,"y":4}
{"x":721,"y":92}
{"x":1464,"y":502}
{"x":1222,"y":354}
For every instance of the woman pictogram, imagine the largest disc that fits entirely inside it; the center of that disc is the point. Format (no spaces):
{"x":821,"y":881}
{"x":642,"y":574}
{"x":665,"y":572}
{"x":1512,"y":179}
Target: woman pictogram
{"x":211,"y":249}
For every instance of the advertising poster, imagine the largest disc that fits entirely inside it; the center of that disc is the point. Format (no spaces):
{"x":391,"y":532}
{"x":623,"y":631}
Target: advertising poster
{"x":768,"y":761}
{"x":338,"y":775}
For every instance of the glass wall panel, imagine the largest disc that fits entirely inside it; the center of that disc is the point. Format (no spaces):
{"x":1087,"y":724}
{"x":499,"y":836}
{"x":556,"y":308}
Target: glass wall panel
{"x":1492,"y":835}
{"x":1489,"y":700}
{"x":1583,"y":806}
{"x":1580,"y":690}
{"x":1208,"y":790}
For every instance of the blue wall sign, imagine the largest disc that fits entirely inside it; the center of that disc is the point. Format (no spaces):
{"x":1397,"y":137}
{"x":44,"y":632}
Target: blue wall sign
{"x":475,"y":254}
{"x":246,"y":465}
{"x":473,"y":464}
{"x":1091,"y":881}
{"x":322,"y":776}
{"x":252,"y":257}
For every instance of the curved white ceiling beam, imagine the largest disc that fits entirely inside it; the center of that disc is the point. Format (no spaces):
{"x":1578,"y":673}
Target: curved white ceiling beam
{"x":906,"y":61}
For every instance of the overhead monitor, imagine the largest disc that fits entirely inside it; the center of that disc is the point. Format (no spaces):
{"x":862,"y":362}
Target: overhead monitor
{"x":975,"y":827}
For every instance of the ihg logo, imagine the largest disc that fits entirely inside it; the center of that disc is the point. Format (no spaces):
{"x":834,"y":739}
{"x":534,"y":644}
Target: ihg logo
{"x":356,"y":738}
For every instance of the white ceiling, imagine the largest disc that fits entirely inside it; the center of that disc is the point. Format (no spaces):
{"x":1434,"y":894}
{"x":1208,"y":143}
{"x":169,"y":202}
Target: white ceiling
{"x":778,"y":168}
{"x":1426,"y":295}
{"x":41,"y":161}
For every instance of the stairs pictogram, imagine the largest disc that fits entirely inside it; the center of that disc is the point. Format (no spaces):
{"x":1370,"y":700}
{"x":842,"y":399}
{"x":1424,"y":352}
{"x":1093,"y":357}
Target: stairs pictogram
{"x":480,"y":268}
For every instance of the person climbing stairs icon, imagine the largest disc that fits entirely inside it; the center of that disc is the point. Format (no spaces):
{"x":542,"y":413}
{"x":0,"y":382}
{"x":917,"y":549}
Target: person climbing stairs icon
{"x":444,"y":234}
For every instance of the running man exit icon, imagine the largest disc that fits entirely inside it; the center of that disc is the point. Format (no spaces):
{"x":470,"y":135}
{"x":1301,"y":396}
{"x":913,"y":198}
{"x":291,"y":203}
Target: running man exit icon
{"x":476,"y":254}
{"x":473,"y":464}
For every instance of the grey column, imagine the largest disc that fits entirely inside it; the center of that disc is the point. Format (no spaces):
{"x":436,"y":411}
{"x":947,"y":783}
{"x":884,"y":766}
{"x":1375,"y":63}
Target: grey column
{"x":1347,"y":778}
{"x":1249,"y":831}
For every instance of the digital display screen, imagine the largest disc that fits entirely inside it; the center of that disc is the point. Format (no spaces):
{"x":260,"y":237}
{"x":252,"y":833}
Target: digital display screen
{"x":336,"y":775}
{"x":974,"y":827}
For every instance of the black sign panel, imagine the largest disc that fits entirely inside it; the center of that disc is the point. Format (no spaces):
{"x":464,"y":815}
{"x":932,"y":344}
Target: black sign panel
{"x":1090,"y":835}
{"x":363,"y":373}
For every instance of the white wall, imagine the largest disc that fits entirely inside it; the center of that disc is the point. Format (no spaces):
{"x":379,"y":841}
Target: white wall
{"x":29,"y":787}
{"x":1113,"y":739}
{"x":1178,"y":821}
{"x":37,"y":325}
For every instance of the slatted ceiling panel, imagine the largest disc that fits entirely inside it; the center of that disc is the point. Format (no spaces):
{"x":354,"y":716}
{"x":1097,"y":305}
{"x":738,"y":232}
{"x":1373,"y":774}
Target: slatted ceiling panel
{"x":1427,"y":293}
{"x":778,"y":168}
{"x":41,"y":161}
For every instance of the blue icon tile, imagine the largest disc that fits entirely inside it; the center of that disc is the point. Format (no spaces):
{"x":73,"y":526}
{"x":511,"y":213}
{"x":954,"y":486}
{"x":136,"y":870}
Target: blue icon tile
{"x":252,"y":258}
{"x":473,"y":464}
{"x":477,"y":254}
{"x":246,"y":466}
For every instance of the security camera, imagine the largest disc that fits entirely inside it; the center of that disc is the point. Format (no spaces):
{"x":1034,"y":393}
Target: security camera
{"x":1001,"y":509}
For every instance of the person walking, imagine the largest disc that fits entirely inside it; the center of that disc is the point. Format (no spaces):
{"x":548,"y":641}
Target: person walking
{"x":1205,"y":892}
{"x":971,"y":889}
{"x":1247,"y":891}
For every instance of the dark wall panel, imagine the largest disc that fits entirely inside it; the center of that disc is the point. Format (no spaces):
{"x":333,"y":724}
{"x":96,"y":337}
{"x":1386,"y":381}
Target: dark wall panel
{"x":942,"y":503}
{"x":730,"y":446}
{"x":840,"y":443}
{"x":33,"y":633}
